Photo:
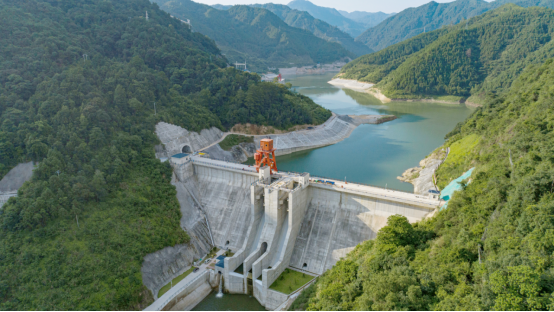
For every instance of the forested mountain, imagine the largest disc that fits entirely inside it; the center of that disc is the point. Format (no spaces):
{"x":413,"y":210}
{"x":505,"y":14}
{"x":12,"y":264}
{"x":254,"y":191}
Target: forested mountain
{"x":484,"y":55}
{"x":493,"y":247}
{"x":368,"y":19}
{"x":303,"y":20}
{"x":330,"y":16}
{"x":414,"y":21}
{"x":78,"y":80}
{"x":256,"y":35}
{"x":222,"y":6}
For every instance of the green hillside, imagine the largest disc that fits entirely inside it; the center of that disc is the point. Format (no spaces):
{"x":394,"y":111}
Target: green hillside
{"x":330,"y":16}
{"x":303,"y":20}
{"x":256,"y":35}
{"x":78,"y":80}
{"x":493,"y":247}
{"x":414,"y":21}
{"x":484,"y":56}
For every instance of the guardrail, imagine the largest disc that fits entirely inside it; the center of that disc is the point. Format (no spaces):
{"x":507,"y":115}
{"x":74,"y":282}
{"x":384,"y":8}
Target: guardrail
{"x":223,"y":166}
{"x":180,"y":290}
{"x":326,"y":178}
{"x":393,"y":197}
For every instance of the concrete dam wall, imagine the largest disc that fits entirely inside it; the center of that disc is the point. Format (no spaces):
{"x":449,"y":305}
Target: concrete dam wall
{"x":283,"y":220}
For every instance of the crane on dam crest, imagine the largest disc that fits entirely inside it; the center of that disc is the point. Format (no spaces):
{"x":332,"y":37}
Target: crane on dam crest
{"x":262,"y":156}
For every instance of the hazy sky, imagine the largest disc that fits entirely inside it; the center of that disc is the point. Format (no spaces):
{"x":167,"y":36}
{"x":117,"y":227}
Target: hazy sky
{"x":387,"y":6}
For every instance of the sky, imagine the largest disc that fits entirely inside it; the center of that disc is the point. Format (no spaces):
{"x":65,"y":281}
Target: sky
{"x":387,"y":6}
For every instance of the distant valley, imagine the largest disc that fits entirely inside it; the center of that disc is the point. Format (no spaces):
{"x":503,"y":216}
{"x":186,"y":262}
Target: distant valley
{"x":258,"y":36}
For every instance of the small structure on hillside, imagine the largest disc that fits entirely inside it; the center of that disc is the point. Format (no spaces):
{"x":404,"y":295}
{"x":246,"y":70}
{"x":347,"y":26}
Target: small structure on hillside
{"x":180,"y":158}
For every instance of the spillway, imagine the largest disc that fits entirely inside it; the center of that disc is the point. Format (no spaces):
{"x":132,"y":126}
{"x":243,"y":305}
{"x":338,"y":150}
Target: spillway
{"x":275,"y":221}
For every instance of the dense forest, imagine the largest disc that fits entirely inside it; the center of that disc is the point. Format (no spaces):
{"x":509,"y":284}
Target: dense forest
{"x":321,"y":29}
{"x":256,"y":35}
{"x":493,"y":247}
{"x":78,"y":83}
{"x":484,"y":54}
{"x":428,"y":17}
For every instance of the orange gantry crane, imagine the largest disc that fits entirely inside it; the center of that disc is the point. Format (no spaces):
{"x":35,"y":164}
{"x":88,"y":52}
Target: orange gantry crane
{"x":263,"y":154}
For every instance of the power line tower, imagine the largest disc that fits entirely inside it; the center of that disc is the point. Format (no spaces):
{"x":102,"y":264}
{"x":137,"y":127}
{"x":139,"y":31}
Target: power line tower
{"x":146,"y":15}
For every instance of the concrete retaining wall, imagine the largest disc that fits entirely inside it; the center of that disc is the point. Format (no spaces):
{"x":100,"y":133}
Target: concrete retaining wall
{"x":183,"y":301}
{"x":160,"y":267}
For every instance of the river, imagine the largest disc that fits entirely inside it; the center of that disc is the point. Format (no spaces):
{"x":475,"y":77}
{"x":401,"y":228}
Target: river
{"x":373,"y":154}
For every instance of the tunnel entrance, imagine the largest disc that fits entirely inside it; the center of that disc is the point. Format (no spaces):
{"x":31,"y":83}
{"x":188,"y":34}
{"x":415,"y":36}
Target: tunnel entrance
{"x":264,"y":247}
{"x":227,"y":243}
{"x":187,"y":149}
{"x":304,"y":266}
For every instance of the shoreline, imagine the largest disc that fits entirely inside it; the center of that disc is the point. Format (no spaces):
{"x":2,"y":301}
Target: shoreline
{"x":367,"y":87}
{"x":341,"y":126}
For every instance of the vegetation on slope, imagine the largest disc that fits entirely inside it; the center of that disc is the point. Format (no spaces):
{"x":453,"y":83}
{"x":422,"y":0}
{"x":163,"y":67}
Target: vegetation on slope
{"x":234,"y":139}
{"x":76,"y":235}
{"x":428,"y":17}
{"x":486,"y":56}
{"x":493,"y":247}
{"x":303,"y":20}
{"x":256,"y":35}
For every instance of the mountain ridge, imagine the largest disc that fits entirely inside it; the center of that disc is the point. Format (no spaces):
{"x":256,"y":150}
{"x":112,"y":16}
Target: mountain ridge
{"x":321,"y":29}
{"x":330,"y":16}
{"x":430,"y":16}
{"x":256,"y":35}
{"x":455,"y":61}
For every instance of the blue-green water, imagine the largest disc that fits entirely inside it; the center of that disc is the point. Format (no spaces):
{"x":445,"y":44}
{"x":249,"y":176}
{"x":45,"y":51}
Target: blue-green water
{"x":229,"y":303}
{"x":373,"y":154}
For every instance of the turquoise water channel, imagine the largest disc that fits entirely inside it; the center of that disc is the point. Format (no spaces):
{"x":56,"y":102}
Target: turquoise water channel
{"x":373,"y":154}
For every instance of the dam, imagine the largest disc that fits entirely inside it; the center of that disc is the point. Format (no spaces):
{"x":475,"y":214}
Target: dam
{"x":281,"y":220}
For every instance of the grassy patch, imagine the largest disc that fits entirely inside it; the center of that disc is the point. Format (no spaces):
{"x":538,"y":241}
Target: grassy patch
{"x":234,"y":139}
{"x":448,"y":98}
{"x":290,"y":281}
{"x":460,"y":149}
{"x":212,"y":253}
{"x":174,"y":282}
{"x":459,"y":159}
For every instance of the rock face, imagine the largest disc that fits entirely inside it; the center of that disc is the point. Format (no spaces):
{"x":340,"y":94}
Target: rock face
{"x":13,"y":180}
{"x":238,"y":153}
{"x":163,"y":265}
{"x":176,"y":139}
{"x":422,"y":176}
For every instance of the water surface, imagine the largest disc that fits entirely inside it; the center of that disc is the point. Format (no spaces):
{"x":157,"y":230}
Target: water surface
{"x":373,"y":154}
{"x":229,"y":303}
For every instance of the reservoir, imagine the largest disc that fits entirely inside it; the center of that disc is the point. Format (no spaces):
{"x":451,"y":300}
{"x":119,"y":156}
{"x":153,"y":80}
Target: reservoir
{"x":373,"y":154}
